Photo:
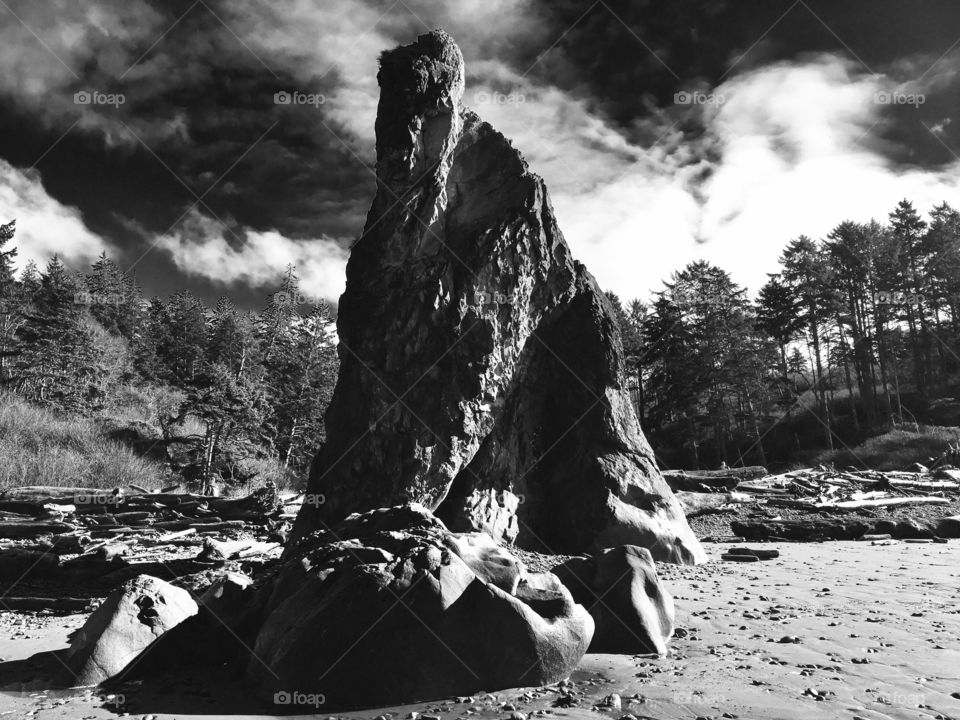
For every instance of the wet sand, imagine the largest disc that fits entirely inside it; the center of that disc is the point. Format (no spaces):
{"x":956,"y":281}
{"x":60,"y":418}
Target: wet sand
{"x":827,"y":630}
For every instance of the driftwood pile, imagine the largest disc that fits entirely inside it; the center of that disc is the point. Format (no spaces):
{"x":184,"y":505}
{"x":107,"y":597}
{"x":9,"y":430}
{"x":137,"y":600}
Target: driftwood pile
{"x":62,"y":536}
{"x":835,"y":495}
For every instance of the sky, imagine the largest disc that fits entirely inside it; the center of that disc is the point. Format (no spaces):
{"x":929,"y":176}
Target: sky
{"x":667,"y":130}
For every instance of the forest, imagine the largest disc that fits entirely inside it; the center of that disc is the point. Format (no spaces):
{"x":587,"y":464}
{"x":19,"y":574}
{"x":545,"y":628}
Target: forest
{"x":857,"y":334}
{"x":216,"y":396}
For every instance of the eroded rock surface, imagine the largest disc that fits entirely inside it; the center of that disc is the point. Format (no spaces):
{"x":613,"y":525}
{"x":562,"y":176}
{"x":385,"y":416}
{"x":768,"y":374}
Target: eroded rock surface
{"x":631,"y":608}
{"x":382,"y":609}
{"x":481,"y":368}
{"x":131,"y":618}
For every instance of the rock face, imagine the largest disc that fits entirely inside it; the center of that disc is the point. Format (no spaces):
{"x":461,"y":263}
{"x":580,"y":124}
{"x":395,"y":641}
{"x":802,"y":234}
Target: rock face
{"x":481,"y":368}
{"x":631,"y":608}
{"x":384,"y":609}
{"x":131,"y":618}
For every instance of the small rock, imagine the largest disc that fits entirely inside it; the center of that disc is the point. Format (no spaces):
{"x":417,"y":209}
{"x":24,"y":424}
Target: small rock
{"x":612,"y":701}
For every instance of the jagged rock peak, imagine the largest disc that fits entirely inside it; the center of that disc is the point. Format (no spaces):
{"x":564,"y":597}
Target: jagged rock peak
{"x":421,"y":94}
{"x":481,"y":371}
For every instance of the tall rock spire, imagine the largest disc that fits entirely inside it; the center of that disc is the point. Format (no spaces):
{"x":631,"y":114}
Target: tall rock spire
{"x":481,"y":369}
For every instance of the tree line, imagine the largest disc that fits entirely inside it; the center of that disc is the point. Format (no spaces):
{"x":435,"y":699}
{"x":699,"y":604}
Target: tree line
{"x":241,"y":385}
{"x":856,"y":332}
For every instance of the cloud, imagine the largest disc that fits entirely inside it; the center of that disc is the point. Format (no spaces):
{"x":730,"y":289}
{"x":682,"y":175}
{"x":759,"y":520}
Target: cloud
{"x":803,"y":149}
{"x":44,"y":226}
{"x":200,"y":248}
{"x":343,"y":39}
{"x":51,"y":50}
{"x":795,"y":148}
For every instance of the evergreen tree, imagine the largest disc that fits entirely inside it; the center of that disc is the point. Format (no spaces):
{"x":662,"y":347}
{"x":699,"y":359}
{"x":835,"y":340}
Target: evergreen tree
{"x":114,"y":299}
{"x":10,"y":300}
{"x":56,"y":362}
{"x":182,"y":346}
{"x":908,"y":230}
{"x":778,"y":316}
{"x":301,"y":378}
{"x":808,"y":274}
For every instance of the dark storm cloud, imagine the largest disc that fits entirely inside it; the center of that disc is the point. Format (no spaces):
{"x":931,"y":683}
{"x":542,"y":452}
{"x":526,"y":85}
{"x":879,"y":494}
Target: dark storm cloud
{"x":632,"y":56}
{"x":199,"y":176}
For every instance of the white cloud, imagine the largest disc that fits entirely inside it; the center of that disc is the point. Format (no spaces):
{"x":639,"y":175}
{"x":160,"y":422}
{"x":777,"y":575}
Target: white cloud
{"x":45,"y":227}
{"x":797,"y":152}
{"x":800,"y":155}
{"x":793,"y":149}
{"x":200,"y":248}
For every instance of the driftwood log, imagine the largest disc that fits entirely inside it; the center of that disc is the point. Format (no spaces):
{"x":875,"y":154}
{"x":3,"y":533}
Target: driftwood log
{"x":711,"y":480}
{"x":806,"y":530}
{"x":31,"y":529}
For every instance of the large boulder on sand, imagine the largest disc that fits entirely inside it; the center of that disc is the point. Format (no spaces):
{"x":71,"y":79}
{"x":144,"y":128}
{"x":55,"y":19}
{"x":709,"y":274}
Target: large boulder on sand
{"x":481,"y":369}
{"x":631,"y":608}
{"x":131,"y":618}
{"x":382,"y":610}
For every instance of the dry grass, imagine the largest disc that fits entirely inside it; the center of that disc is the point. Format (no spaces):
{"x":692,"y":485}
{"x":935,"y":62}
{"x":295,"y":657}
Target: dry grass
{"x":894,"y":450}
{"x":40,"y":447}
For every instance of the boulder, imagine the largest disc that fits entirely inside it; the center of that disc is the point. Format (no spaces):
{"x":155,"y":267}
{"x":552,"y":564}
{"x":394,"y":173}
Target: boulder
{"x":481,"y":368}
{"x":218,"y":636}
{"x":631,"y":608}
{"x":383,"y":609}
{"x":489,"y":561}
{"x":949,"y":527}
{"x":130,"y":619}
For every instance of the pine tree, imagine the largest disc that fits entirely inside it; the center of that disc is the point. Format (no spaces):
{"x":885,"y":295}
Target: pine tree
{"x":10,"y":300}
{"x":778,"y":316}
{"x":908,"y":230}
{"x":670,"y":376}
{"x":807,"y":272}
{"x":183,"y":344}
{"x":301,"y":378}
{"x":281,"y":309}
{"x":149,"y":341}
{"x":114,"y":299}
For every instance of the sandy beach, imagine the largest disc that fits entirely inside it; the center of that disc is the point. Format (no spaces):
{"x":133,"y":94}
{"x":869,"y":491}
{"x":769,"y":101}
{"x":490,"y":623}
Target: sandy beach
{"x":827,"y":630}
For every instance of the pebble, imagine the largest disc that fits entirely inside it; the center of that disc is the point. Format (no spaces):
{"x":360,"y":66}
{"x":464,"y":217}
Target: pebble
{"x":612,"y":701}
